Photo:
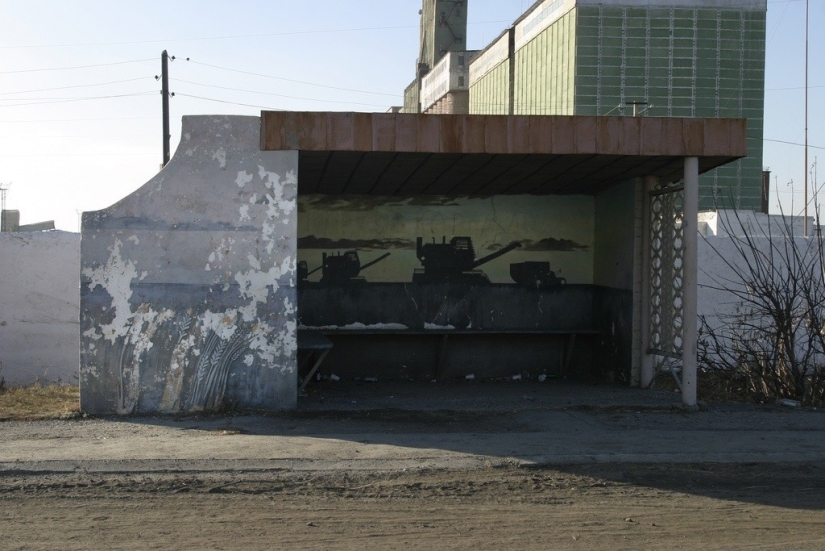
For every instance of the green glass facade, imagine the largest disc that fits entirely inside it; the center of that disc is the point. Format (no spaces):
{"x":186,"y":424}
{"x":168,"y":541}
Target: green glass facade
{"x":491,"y":95}
{"x":545,"y":82}
{"x":680,"y":61}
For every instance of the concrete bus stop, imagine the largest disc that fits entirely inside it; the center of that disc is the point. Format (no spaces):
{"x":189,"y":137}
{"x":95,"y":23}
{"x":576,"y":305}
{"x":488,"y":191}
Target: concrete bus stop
{"x":194,"y":288}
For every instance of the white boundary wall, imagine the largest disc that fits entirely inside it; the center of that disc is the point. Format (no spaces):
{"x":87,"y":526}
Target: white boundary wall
{"x":39,"y":307}
{"x":717,"y":253}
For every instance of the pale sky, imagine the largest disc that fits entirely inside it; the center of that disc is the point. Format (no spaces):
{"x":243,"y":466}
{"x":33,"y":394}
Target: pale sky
{"x":80,"y":108}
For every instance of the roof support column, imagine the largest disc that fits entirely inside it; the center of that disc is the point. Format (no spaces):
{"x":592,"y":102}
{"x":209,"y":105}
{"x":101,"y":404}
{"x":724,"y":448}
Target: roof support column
{"x":647,"y":359}
{"x":690,"y":235}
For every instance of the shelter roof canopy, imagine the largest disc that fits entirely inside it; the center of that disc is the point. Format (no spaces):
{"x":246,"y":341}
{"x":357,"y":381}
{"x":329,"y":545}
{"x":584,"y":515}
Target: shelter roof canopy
{"x":409,"y":154}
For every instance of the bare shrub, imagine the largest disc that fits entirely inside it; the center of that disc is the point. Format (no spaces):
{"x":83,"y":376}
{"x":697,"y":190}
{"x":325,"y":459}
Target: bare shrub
{"x":773,"y":344}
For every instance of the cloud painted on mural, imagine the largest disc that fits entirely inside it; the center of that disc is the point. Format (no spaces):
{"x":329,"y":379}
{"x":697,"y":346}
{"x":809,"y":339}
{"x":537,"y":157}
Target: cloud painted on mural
{"x":425,"y":201}
{"x":366,"y":203}
{"x":546,"y":244}
{"x":312,"y":242}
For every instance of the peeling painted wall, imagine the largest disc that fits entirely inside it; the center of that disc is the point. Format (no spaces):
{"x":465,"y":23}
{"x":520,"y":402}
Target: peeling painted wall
{"x":39,"y":277}
{"x":188,"y":299}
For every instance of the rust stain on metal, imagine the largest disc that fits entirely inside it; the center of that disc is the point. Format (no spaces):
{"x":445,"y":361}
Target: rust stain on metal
{"x":414,"y":133}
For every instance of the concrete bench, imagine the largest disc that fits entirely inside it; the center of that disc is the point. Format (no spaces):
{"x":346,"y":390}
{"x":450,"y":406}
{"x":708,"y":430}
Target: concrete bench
{"x":444,"y":334}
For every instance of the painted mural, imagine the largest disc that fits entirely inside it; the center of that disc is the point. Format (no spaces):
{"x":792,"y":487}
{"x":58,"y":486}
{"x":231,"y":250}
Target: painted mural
{"x":525,"y":240}
{"x":425,"y":262}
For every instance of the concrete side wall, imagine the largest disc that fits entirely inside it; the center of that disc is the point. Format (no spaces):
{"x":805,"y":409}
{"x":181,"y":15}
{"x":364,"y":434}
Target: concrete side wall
{"x":39,"y":279}
{"x":613,"y":271}
{"x":614,"y":244}
{"x":188,"y":293}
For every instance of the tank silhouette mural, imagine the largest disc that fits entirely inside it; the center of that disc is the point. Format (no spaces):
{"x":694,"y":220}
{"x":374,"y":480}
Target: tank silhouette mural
{"x":453,"y":262}
{"x":535,"y":275}
{"x":340,"y":269}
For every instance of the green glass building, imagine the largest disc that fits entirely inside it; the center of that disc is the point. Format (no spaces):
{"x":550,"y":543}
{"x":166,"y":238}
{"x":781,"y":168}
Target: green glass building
{"x":668,"y":58}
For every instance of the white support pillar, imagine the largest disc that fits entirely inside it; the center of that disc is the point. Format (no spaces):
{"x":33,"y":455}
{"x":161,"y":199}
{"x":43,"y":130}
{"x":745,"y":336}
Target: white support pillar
{"x":690,"y":235}
{"x":647,"y":360}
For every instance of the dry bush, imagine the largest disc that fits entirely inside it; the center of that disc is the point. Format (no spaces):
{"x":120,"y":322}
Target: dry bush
{"x":773,"y":346}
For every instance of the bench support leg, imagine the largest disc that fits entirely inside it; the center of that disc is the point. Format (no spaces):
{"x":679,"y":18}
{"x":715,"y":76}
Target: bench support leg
{"x":439,"y":358}
{"x":313,"y":370}
{"x":568,"y":354}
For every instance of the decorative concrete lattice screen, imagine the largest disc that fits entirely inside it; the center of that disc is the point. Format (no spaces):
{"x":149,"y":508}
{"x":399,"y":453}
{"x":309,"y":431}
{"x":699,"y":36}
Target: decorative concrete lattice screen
{"x":666,"y":270}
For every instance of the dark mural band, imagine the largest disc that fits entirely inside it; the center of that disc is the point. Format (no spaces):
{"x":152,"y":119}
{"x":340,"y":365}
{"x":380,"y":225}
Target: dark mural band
{"x":446,"y":262}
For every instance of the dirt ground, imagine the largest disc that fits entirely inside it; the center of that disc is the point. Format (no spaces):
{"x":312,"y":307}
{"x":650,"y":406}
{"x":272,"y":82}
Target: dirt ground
{"x":605,"y":506}
{"x":345,"y":472}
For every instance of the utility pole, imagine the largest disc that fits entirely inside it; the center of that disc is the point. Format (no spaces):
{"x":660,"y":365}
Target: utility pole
{"x":164,"y":78}
{"x":3,"y":224}
{"x":806,"y":119}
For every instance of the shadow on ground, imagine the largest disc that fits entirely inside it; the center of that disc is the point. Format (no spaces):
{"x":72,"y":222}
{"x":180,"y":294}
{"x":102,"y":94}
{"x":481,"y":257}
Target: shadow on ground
{"x":612,"y":433}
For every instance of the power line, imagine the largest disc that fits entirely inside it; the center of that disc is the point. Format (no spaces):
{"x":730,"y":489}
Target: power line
{"x":75,"y":67}
{"x":27,"y":121}
{"x":74,"y":86}
{"x":76,"y":155}
{"x":264,"y":107}
{"x":276,"y":95}
{"x":94,"y":136}
{"x":229,"y":102}
{"x":792,"y":143}
{"x":71,"y":100}
{"x":233,"y":37}
{"x":292,"y":80}
{"x":793,"y":88}
{"x":208,"y":38}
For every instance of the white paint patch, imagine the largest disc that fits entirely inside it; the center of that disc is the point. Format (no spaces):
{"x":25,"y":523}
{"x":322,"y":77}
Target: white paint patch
{"x":146,"y":324}
{"x":248,"y":360}
{"x":435,"y":326}
{"x":276,"y":205}
{"x":134,"y":239}
{"x":224,"y":324}
{"x":285,"y":343}
{"x":218,"y":254}
{"x":220,"y":156}
{"x":254,"y":262}
{"x":256,"y":283}
{"x":116,"y":279}
{"x":243,"y":178}
{"x":269,"y":178}
{"x":244,"y":210}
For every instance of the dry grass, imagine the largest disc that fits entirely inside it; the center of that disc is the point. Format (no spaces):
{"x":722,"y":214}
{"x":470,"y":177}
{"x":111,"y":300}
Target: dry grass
{"x":711,"y":387}
{"x":39,"y":402}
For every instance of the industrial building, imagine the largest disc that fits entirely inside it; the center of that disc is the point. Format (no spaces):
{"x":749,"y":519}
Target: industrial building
{"x":662,"y":58}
